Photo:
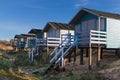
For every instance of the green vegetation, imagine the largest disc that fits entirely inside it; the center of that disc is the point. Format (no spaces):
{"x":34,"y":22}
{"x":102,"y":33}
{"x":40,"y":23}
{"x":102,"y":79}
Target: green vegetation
{"x":18,"y":67}
{"x":10,"y":69}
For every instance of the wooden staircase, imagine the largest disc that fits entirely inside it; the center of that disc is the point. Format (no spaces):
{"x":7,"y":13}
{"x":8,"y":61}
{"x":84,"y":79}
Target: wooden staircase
{"x":62,"y":51}
{"x":31,"y":53}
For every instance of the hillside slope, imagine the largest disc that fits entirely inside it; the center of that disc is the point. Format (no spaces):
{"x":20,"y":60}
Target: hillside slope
{"x":5,"y":45}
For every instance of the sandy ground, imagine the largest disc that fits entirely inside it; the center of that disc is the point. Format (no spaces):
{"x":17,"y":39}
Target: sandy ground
{"x":113,"y":72}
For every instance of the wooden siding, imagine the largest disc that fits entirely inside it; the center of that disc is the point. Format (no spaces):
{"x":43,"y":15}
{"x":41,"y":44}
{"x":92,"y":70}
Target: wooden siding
{"x":87,"y":23}
{"x":52,"y":32}
{"x":39,"y":35}
{"x":113,"y":33}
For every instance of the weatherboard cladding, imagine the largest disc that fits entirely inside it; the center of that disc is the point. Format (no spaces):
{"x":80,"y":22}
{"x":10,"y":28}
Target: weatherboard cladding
{"x":52,"y":32}
{"x":113,"y":33}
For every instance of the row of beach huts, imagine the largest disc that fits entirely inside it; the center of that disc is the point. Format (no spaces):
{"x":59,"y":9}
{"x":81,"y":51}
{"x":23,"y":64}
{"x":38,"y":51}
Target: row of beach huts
{"x":87,"y":30}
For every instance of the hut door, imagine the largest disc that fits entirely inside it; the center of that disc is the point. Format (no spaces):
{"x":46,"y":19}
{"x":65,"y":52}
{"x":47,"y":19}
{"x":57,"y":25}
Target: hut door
{"x":91,"y":24}
{"x":85,"y":26}
{"x":77,"y":29}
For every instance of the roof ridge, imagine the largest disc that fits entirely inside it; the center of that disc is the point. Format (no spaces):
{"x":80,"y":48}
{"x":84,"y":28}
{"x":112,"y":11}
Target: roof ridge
{"x":58,"y":23}
{"x":94,"y":12}
{"x":101,"y":11}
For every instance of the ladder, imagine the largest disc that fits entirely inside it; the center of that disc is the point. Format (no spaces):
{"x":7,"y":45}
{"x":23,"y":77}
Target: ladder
{"x":61,"y":51}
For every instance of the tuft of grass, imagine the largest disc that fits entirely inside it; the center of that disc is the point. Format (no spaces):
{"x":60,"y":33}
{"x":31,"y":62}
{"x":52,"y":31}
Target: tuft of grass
{"x":69,"y":74}
{"x":105,"y":66}
{"x":16,"y":75}
{"x":4,"y":64}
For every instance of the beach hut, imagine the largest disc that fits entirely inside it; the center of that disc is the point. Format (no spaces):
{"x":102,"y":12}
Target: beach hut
{"x":26,"y":43}
{"x":96,"y":29}
{"x":61,"y":37}
{"x":17,"y":42}
{"x":22,"y":41}
{"x":39,"y":35}
{"x":39,"y":40}
{"x":54,"y":32}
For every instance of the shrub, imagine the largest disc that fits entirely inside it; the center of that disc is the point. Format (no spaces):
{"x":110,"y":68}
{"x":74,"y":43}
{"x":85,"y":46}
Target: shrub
{"x":21,"y":60}
{"x":5,"y":65}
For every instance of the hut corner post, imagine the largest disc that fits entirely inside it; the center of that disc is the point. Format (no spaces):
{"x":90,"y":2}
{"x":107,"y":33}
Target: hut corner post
{"x":99,"y":48}
{"x":90,"y":58}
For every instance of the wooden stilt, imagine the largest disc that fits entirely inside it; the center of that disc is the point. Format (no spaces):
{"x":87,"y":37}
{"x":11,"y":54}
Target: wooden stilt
{"x":101,"y":53}
{"x":69,"y":58}
{"x":74,"y":54}
{"x":90,"y":58}
{"x":63,"y":62}
{"x":81,"y":56}
{"x":116,"y":52}
{"x":87,"y":52}
{"x":98,"y":56}
{"x":47,"y":50}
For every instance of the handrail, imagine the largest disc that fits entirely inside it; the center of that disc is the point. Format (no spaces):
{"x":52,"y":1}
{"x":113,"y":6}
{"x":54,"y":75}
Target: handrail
{"x":62,"y":50}
{"x":58,"y":52}
{"x":64,"y":53}
{"x":56,"y":55}
{"x":59,"y":45}
{"x":98,"y":31}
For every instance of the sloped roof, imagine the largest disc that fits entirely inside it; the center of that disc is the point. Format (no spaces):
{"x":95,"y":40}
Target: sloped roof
{"x":16,"y":36}
{"x":35,"y":31}
{"x":57,"y":26}
{"x":27,"y":35}
{"x":95,"y":12}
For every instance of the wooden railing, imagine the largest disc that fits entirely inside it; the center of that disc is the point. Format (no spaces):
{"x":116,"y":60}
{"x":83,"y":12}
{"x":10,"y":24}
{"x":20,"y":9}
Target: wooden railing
{"x":67,"y":37}
{"x":52,"y":41}
{"x":92,"y":37}
{"x":98,"y":37}
{"x":63,"y":41}
{"x":41,"y":42}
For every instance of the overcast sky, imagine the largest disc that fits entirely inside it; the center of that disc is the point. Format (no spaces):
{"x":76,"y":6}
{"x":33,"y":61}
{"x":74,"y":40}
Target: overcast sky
{"x":19,"y":16}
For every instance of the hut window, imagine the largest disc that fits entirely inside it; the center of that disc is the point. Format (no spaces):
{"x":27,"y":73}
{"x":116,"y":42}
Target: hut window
{"x":102,"y":24}
{"x":22,"y":39}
